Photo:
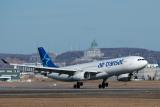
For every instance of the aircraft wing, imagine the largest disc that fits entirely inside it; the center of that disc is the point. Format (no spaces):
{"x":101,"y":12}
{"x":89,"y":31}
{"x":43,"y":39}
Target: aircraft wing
{"x":60,"y":70}
{"x":50,"y":69}
{"x":56,"y":70}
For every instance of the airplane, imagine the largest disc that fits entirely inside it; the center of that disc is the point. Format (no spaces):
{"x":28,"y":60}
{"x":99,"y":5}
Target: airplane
{"x":90,"y":71}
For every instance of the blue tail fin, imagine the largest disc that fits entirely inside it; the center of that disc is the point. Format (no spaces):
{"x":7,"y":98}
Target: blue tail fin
{"x":46,"y":60}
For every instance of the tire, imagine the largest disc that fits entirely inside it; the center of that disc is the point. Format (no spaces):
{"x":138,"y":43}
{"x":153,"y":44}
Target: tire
{"x":78,"y":86}
{"x":106,"y":84}
{"x":103,"y":85}
{"x":81,"y":83}
{"x":75,"y":86}
{"x":100,"y":86}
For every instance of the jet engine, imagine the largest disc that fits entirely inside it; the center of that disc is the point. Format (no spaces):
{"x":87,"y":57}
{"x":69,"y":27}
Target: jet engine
{"x":124,"y":77}
{"x":81,"y":75}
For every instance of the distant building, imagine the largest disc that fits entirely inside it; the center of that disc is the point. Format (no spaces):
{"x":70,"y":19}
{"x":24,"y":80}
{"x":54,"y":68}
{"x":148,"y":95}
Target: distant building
{"x":90,"y":54}
{"x":93,"y":51}
{"x":152,"y":65}
{"x":23,"y":67}
{"x":9,"y":74}
{"x":150,"y":72}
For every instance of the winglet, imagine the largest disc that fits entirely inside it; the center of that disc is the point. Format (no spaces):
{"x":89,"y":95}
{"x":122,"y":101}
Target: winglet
{"x":5,"y":62}
{"x":46,"y":60}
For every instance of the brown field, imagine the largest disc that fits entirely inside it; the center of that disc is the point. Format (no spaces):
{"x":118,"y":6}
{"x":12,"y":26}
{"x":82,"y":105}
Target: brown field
{"x":78,"y":102}
{"x":87,"y":101}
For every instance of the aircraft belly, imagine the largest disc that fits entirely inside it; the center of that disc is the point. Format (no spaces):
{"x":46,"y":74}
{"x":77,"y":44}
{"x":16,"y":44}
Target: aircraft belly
{"x":61,"y":77}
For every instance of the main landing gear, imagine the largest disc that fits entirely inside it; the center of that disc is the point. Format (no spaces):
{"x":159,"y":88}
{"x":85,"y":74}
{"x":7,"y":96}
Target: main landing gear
{"x":78,"y":85}
{"x":104,"y":84}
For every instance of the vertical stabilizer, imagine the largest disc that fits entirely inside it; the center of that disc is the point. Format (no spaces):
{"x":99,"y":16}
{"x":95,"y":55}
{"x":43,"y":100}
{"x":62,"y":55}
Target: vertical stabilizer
{"x":46,"y":60}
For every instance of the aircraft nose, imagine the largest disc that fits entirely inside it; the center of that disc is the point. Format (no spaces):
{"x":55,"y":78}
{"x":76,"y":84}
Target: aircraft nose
{"x":145,"y":62}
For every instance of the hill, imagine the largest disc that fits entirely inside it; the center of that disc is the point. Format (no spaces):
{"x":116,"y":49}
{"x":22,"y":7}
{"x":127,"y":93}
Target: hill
{"x":71,"y":56}
{"x":151,"y":56}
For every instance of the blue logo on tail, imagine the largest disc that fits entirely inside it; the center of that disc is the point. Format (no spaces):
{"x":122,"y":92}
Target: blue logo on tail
{"x":46,"y":60}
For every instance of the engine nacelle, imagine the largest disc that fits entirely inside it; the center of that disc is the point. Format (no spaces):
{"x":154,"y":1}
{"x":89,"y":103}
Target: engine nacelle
{"x":81,"y":75}
{"x":124,"y":77}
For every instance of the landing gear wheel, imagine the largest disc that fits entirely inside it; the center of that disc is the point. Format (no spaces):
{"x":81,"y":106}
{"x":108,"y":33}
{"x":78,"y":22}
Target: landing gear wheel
{"x":81,"y":83}
{"x":74,"y":86}
{"x":106,"y":84}
{"x":100,"y":86}
{"x":103,"y":85}
{"x":78,"y":85}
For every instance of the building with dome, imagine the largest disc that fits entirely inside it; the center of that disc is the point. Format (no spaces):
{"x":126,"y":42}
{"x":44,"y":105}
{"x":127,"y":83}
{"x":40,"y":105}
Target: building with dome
{"x":93,"y":51}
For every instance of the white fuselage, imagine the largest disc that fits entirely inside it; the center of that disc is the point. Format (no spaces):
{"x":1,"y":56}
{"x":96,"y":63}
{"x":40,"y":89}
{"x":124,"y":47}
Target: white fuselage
{"x":102,"y":69}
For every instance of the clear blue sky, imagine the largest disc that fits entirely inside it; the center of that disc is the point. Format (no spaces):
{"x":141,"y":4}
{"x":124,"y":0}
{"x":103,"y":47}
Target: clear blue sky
{"x":62,"y":25}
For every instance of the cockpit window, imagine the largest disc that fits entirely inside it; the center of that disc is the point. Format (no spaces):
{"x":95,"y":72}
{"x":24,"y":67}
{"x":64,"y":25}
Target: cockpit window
{"x":140,"y":59}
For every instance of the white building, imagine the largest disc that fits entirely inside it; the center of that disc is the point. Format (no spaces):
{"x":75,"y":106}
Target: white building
{"x":9,"y":74}
{"x":24,"y":68}
{"x":93,"y":51}
{"x":152,"y":65}
{"x":151,"y":72}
